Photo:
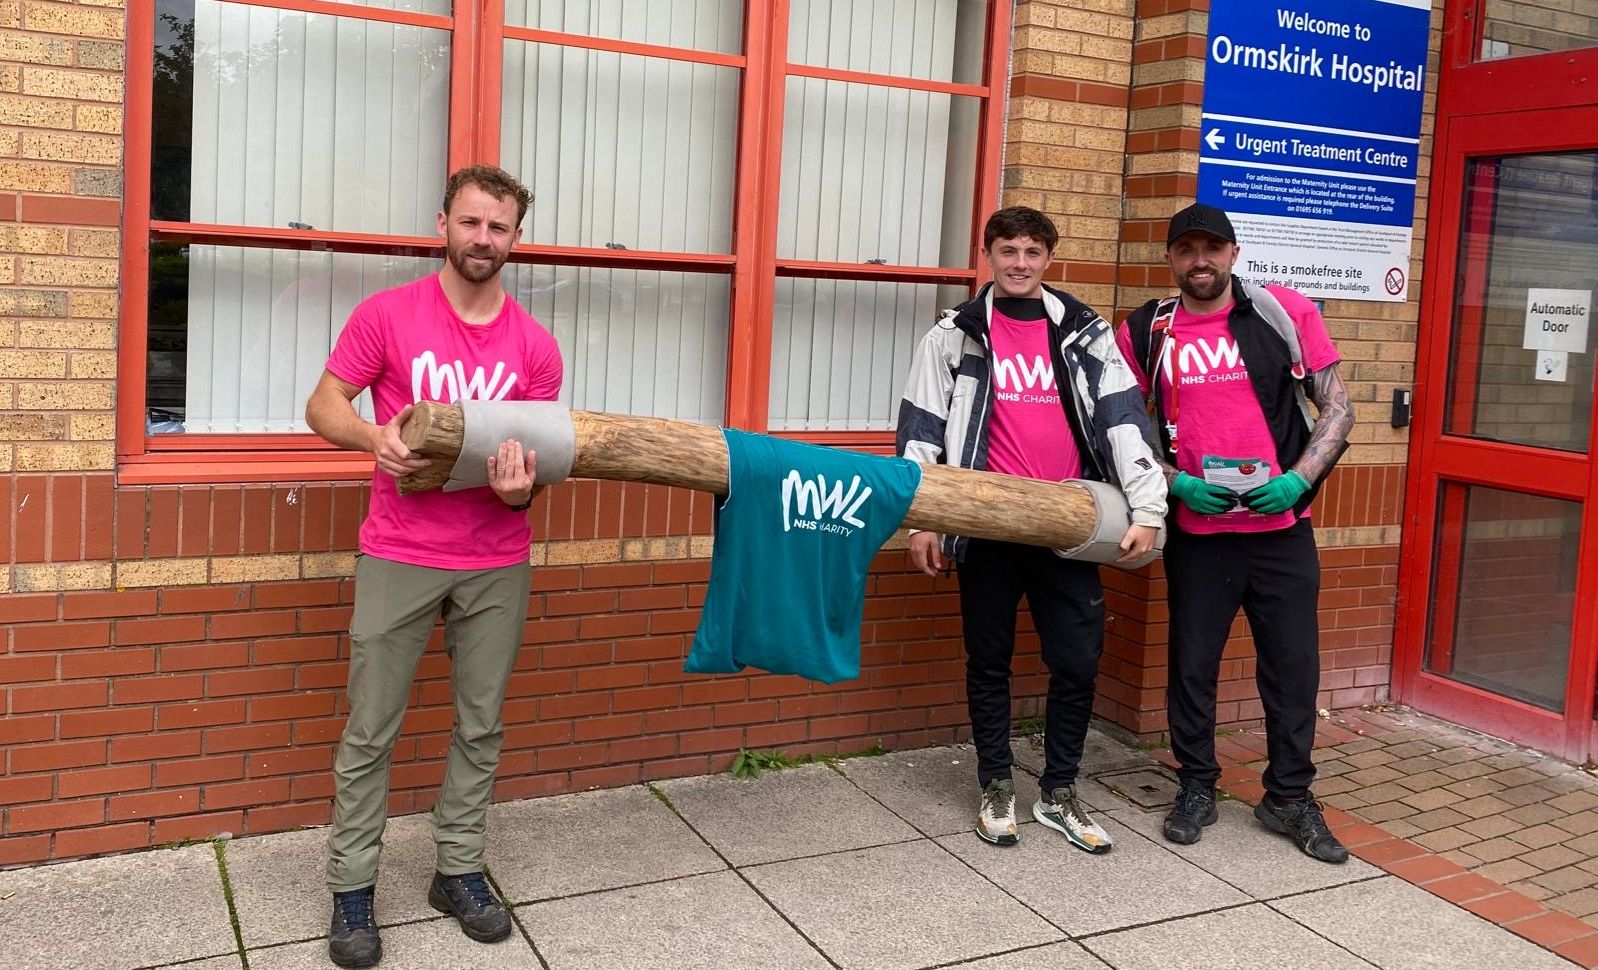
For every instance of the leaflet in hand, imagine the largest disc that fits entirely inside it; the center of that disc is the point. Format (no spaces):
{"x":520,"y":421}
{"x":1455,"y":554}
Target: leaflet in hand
{"x":1238,"y":474}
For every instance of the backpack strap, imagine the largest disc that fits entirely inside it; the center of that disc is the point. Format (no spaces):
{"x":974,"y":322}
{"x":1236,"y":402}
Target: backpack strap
{"x":1269,"y":309}
{"x":1159,"y":330}
{"x":1148,"y":340}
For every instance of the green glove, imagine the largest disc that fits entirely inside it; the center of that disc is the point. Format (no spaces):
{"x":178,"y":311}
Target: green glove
{"x":1277,"y":495}
{"x":1201,"y":496}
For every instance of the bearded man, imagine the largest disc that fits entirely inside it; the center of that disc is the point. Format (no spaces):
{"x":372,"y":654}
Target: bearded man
{"x":1230,"y":368}
{"x":464,"y":555}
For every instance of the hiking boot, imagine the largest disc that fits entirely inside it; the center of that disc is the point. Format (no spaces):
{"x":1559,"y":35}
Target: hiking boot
{"x":1303,"y":822}
{"x":996,"y":817}
{"x":1194,"y":809}
{"x":468,"y":898}
{"x":352,"y":939}
{"x":1062,"y":812}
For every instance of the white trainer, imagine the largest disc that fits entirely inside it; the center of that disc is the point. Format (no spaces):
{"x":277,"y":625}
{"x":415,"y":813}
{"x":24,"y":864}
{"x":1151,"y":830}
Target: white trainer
{"x":1063,"y":813}
{"x":996,"y":817}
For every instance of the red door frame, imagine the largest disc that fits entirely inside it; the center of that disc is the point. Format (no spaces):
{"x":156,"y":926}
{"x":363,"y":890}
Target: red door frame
{"x":1525,"y":105}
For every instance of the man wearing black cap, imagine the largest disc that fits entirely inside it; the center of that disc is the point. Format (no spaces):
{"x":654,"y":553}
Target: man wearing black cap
{"x":1230,"y":368}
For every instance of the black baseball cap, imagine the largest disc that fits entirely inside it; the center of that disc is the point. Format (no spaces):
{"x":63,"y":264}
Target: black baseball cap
{"x":1199,"y":217}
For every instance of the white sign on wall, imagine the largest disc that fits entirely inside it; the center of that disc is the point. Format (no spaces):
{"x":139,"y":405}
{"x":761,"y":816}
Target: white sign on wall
{"x":1552,"y":365}
{"x":1557,"y":320}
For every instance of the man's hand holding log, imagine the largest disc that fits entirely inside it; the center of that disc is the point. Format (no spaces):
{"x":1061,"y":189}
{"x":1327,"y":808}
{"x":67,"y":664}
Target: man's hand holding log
{"x":511,"y":474}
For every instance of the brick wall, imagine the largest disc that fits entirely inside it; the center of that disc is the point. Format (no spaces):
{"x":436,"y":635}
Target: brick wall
{"x":175,"y":667}
{"x":174,"y":657}
{"x":60,"y":179}
{"x":1512,"y":28}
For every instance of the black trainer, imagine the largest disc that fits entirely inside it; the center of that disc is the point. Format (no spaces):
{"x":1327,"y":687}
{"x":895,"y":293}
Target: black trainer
{"x":1303,"y":822}
{"x":468,"y":898}
{"x":1194,"y":809}
{"x":352,"y":939}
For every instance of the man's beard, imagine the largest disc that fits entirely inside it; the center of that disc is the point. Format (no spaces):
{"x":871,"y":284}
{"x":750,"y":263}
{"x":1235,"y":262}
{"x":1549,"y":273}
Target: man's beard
{"x":1204,"y":294}
{"x":474,"y":272}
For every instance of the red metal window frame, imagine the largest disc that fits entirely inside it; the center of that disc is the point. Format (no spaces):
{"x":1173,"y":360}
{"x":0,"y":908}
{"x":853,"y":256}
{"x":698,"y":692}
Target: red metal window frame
{"x":1532,"y":104}
{"x":477,"y":43}
{"x":749,"y":393}
{"x":142,"y":458}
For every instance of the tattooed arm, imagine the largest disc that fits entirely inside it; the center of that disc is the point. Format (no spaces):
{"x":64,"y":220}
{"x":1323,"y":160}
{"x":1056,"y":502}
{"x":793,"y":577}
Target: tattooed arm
{"x":1169,"y":470}
{"x":1332,"y":424}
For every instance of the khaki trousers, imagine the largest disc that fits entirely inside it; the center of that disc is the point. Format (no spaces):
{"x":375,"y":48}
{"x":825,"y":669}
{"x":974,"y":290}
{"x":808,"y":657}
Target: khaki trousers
{"x":396,"y":606}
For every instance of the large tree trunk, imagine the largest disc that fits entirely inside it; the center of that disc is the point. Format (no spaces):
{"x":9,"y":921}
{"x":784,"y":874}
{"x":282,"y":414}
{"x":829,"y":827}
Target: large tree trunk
{"x":622,"y":447}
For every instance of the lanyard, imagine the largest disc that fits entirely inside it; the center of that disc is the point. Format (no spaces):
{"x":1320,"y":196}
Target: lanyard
{"x":1166,"y":323}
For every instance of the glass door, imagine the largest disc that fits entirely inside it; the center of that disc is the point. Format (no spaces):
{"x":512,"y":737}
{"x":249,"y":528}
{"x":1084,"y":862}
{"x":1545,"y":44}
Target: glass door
{"x":1498,"y":601}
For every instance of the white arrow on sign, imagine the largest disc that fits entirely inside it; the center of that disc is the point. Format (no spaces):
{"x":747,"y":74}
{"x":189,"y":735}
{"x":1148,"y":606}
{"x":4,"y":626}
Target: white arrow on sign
{"x":1215,"y":139}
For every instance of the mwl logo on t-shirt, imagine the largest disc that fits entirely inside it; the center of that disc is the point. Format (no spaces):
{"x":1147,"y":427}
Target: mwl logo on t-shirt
{"x":806,"y":503}
{"x":447,"y":383}
{"x":1015,"y":375}
{"x":1199,"y":363}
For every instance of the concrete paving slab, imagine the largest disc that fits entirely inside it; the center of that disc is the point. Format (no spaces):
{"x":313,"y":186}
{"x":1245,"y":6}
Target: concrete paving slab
{"x":1235,"y":939}
{"x":103,"y":913}
{"x":934,"y":789}
{"x":234,"y":962}
{"x":708,"y":922}
{"x":1056,"y":956}
{"x":1137,"y":882}
{"x":784,"y":814}
{"x":941,"y":911}
{"x":1244,"y":853}
{"x":280,"y":886}
{"x":550,"y":847}
{"x":1145,"y":787}
{"x":1401,"y":927}
{"x":1100,"y":752}
{"x":430,"y":945}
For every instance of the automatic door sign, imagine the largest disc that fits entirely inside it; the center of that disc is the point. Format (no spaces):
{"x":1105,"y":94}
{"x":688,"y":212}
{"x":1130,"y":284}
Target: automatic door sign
{"x":1557,"y":320}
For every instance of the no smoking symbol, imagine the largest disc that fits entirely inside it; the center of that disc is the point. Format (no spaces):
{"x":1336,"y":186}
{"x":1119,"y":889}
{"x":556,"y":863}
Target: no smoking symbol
{"x":1394,"y":281}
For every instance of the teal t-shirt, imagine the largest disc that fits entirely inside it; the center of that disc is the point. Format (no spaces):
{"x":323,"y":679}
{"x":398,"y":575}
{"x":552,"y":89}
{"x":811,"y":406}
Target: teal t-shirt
{"x":795,"y":536}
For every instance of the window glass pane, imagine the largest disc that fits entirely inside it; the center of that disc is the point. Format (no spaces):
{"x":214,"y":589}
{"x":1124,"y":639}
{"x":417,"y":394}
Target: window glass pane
{"x":876,"y":174}
{"x":705,"y":25}
{"x":268,"y":117}
{"x":841,"y":349}
{"x":239,"y":337}
{"x":1506,"y":588}
{"x":934,"y":40}
{"x":1528,"y":252}
{"x":1512,"y":28}
{"x":634,"y":341}
{"x":621,"y":151}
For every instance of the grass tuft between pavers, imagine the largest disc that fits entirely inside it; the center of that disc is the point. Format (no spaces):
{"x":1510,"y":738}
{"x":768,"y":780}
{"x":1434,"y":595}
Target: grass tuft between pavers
{"x":749,"y":763}
{"x":220,"y":847}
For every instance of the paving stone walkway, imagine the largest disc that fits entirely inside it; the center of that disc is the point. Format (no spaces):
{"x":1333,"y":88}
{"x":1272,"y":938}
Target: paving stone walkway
{"x":867,"y":864}
{"x":1509,"y":833}
{"x":1514,"y":816}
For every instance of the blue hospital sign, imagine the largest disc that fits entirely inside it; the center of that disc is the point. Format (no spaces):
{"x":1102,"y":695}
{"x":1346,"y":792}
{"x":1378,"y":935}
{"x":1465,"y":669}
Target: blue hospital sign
{"x":1311,"y":139}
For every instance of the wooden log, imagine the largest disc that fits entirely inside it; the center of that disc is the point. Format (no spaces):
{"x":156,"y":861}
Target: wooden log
{"x":624,"y":447}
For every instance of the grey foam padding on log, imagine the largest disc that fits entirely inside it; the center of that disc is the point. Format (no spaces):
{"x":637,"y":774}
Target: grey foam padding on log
{"x":545,"y":427}
{"x":1109,"y":528}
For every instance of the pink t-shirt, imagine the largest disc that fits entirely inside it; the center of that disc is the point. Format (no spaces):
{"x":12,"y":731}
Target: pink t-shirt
{"x":408,"y":345}
{"x":1218,"y":414}
{"x":1028,"y":434}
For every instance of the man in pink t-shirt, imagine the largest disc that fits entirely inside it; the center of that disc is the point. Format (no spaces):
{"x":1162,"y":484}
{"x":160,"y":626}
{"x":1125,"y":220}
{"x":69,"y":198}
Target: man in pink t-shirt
{"x":1229,"y":366}
{"x":1026,"y":380}
{"x":451,"y":336}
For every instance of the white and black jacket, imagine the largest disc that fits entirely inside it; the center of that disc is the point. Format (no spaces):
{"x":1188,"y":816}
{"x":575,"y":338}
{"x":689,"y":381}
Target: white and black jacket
{"x":948,"y":400}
